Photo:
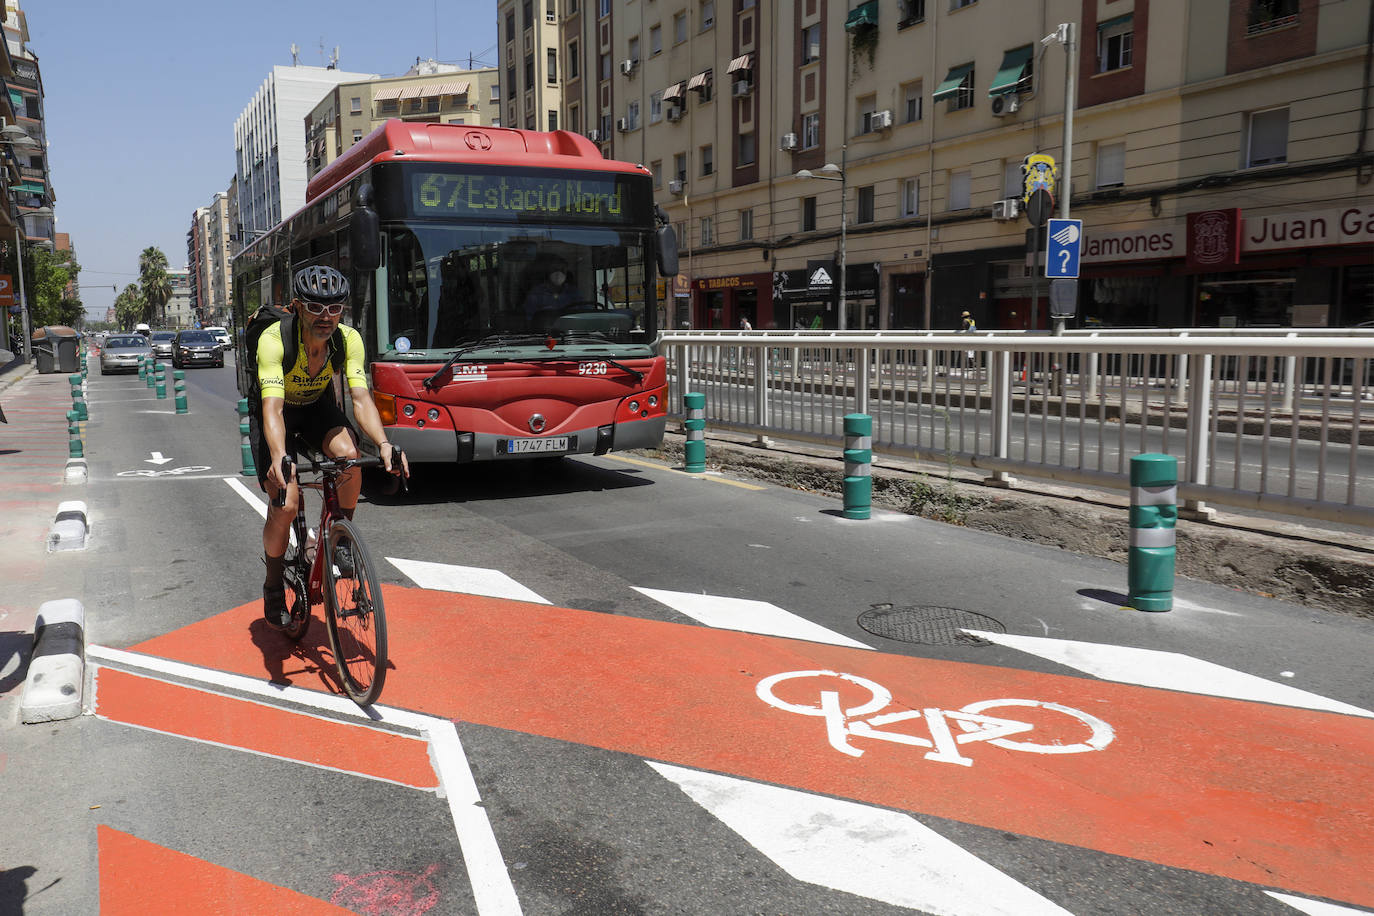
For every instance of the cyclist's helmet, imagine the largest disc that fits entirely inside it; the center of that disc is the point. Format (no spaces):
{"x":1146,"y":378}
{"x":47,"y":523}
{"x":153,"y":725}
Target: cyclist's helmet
{"x":320,"y":284}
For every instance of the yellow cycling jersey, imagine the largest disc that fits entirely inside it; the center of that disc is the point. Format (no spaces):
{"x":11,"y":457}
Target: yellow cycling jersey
{"x":297,"y":386}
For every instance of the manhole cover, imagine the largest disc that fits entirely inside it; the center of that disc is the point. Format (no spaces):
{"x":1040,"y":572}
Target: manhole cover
{"x":928,"y":624}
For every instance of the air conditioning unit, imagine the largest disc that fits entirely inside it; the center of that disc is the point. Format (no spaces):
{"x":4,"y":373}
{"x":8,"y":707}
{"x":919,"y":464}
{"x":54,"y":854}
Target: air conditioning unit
{"x":594,"y":135}
{"x":550,"y":17}
{"x":1006,"y":209}
{"x":622,"y":124}
{"x":675,"y":186}
{"x":673,"y":113}
{"x":743,"y":88}
{"x":788,"y":142}
{"x":882,"y":120}
{"x":627,"y":66}
{"x":1004,"y":105}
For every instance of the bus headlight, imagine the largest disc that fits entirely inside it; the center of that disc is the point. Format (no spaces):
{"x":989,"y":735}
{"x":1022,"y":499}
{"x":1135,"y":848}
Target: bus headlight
{"x":408,"y":410}
{"x":634,"y":407}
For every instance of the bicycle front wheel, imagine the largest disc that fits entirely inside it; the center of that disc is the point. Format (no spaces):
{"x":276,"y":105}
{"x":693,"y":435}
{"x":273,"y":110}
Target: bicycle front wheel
{"x":354,"y":614}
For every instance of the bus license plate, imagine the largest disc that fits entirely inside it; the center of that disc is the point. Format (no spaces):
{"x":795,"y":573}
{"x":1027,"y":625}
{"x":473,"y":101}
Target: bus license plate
{"x":526,"y":446}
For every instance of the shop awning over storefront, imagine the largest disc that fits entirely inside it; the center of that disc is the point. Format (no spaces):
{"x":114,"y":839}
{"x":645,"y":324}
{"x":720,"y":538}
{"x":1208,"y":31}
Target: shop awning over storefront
{"x":953,"y":82}
{"x":865,"y":14}
{"x":745,"y":62}
{"x":1016,"y":65}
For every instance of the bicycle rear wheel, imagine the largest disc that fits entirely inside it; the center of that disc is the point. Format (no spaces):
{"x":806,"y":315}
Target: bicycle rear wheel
{"x":355,"y":616}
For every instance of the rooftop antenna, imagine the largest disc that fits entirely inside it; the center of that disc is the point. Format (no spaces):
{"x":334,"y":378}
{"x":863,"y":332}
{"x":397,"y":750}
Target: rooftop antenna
{"x":295,"y":54}
{"x":334,"y":59}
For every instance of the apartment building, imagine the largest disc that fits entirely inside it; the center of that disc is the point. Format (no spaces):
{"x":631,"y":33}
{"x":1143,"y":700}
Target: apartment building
{"x":1220,"y":162}
{"x":27,"y":180}
{"x":219,"y":279}
{"x":269,"y":142}
{"x":197,"y":279}
{"x":429,"y":92}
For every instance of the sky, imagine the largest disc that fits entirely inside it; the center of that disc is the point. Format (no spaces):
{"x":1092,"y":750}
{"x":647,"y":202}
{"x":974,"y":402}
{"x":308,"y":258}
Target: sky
{"x":140,"y":100}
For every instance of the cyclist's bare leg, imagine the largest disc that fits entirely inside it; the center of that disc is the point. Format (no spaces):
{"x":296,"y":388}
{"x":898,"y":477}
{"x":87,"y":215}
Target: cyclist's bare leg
{"x":340,"y":442}
{"x":276,"y":532}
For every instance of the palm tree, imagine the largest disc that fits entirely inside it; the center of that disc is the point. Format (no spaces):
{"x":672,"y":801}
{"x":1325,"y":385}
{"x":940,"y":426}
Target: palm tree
{"x":129,"y":307}
{"x":155,"y":285}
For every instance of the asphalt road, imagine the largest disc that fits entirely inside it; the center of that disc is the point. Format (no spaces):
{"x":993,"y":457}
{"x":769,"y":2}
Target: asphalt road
{"x":642,"y":729}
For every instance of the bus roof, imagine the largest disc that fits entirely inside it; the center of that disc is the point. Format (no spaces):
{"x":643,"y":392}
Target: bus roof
{"x":474,"y":144}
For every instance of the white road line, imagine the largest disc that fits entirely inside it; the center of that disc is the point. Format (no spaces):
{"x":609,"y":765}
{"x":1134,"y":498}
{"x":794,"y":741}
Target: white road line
{"x":859,"y":849}
{"x":1316,"y":907}
{"x":748,"y":616}
{"x":1167,"y":670}
{"x":467,"y":580}
{"x":492,"y":888}
{"x":238,"y":487}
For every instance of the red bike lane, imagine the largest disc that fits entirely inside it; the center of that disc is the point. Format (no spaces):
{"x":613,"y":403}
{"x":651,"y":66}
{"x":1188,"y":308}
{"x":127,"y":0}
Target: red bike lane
{"x":1270,"y":795}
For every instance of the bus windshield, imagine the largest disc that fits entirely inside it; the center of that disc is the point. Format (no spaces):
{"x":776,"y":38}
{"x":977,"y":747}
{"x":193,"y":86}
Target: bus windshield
{"x":449,"y":286}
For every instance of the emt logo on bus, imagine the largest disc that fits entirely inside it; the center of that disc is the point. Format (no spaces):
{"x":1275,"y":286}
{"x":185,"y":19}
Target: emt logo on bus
{"x":598,"y":200}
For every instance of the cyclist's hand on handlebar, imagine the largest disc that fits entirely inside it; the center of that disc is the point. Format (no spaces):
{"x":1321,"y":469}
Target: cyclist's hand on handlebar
{"x":389,"y":456}
{"x":282,"y":476}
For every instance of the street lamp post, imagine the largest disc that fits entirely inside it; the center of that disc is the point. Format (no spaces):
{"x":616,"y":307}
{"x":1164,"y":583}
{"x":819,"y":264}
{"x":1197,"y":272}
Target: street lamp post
{"x":832,"y":172}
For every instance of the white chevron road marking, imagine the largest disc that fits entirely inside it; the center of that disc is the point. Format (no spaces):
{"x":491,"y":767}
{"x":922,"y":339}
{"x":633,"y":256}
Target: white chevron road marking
{"x":469,"y":580}
{"x":748,"y":616}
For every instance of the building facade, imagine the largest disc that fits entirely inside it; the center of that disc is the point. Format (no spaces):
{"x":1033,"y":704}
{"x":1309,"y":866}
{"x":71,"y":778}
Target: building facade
{"x":429,"y":92}
{"x":178,"y":311}
{"x":541,"y":54}
{"x":1220,"y":161}
{"x":219,"y":279}
{"x":269,"y":143}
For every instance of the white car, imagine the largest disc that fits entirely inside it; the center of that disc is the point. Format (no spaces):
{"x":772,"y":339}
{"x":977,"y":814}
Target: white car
{"x":221,"y":336}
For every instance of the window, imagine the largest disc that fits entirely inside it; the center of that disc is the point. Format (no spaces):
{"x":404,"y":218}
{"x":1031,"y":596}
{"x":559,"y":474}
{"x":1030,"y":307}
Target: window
{"x":572,"y":7}
{"x":959,"y":190}
{"x":746,"y":225}
{"x":574,"y":119}
{"x":911,"y":197}
{"x":866,"y":204}
{"x":655,"y":39}
{"x":356,"y":104}
{"x":529,"y":71}
{"x":357,"y":135}
{"x":957,"y":88}
{"x":495,"y":92}
{"x":811,"y":44}
{"x":866,"y":107}
{"x":510,"y":77}
{"x":679,"y":28}
{"x":1271,"y":14}
{"x":391,"y":105}
{"x":707,"y":161}
{"x":462,"y":121}
{"x":1268,"y":137}
{"x":910,"y":12}
{"x":553,"y":119}
{"x":527,"y":8}
{"x":911,"y":102}
{"x":680,"y":166}
{"x":960,"y":4}
{"x":1114,"y":39}
{"x":657,"y":168}
{"x":1013,"y":182}
{"x":706,"y":236}
{"x":510,"y":26}
{"x":811,"y":131}
{"x":808,"y":214}
{"x":552,"y":75}
{"x":708,"y":14}
{"x":748,"y":150}
{"x":1111,"y":165}
{"x":603,"y":9}
{"x":633,"y":48}
{"x":604,"y":65}
{"x":656,"y":107}
{"x":573,"y":61}
{"x":632,"y":115}
{"x":550,"y":10}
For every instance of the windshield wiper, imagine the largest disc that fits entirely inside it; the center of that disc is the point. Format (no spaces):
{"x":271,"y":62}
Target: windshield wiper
{"x":493,"y":340}
{"x":599,"y":337}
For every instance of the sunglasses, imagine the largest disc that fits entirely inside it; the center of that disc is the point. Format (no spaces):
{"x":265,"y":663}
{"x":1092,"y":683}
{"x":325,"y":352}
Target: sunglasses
{"x":332,"y":309}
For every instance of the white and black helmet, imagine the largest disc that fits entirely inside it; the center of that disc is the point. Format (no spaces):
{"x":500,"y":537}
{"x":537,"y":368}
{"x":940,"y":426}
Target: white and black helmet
{"x":320,"y":284}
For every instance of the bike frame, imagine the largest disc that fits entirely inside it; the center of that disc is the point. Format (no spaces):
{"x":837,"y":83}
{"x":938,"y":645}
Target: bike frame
{"x":329,"y":510}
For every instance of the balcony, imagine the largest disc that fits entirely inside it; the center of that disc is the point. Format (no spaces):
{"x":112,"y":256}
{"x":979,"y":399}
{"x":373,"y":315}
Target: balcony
{"x":1269,"y":15}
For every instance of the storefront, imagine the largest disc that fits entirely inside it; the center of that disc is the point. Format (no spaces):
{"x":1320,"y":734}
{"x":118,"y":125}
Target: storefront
{"x":807,"y":297}
{"x":721,"y":302}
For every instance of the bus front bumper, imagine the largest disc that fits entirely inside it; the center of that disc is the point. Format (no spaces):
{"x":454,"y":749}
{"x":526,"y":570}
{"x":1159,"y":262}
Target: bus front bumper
{"x":442,"y":446}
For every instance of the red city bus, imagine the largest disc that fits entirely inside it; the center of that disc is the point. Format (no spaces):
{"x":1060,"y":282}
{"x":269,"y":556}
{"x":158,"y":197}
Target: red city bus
{"x":449,"y":235}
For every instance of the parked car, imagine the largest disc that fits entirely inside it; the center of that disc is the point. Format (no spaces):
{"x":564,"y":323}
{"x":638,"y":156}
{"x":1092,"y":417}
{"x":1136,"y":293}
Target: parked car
{"x":162,"y":343}
{"x":196,"y":348}
{"x":221,"y":336}
{"x":122,"y":352}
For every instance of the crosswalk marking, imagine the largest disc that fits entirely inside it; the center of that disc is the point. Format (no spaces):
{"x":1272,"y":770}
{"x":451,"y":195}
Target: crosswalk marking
{"x":859,"y":849}
{"x":748,"y":616}
{"x":1168,"y":670}
{"x":468,"y":580}
{"x":1316,"y":907}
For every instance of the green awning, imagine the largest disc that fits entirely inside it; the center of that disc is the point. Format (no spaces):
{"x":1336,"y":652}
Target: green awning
{"x":28,"y":187}
{"x":1113,"y":23}
{"x":1015,"y":65}
{"x":16,"y":100}
{"x":954,"y":81}
{"x":862,"y":15}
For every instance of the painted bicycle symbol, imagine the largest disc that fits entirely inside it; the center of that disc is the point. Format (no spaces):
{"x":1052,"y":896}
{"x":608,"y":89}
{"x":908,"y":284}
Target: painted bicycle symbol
{"x":164,"y":472}
{"x":948,"y":729}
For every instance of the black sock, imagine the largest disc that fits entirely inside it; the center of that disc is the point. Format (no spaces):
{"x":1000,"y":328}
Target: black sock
{"x":274,"y":570}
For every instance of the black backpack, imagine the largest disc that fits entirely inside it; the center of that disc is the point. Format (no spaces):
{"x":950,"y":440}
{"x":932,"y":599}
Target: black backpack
{"x":266,"y":316}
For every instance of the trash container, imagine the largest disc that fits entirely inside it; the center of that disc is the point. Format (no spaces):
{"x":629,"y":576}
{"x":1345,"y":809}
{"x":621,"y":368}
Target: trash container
{"x":56,"y":347}
{"x":68,"y":354}
{"x":46,"y":354}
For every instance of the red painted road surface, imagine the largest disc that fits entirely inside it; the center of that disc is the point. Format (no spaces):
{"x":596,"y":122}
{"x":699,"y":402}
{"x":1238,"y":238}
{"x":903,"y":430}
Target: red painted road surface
{"x":1270,"y":795}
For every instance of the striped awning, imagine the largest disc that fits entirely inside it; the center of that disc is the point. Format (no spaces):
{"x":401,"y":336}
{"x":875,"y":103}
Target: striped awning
{"x":674,"y":91}
{"x":744,"y":62}
{"x":412,"y":92}
{"x":454,"y":87}
{"x":700,"y":81}
{"x":385,"y":95}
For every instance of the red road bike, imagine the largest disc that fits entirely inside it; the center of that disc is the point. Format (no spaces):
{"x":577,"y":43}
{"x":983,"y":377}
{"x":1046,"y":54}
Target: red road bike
{"x":337,"y":571}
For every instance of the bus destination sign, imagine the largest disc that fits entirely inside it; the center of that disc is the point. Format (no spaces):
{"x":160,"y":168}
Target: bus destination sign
{"x":599,"y":200}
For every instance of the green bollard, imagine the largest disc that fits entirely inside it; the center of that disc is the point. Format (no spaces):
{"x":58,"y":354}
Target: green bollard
{"x":151,"y":374}
{"x":161,"y":381}
{"x":179,"y":386}
{"x":694,"y":449}
{"x":73,"y":435}
{"x":249,"y":467}
{"x":1154,"y":513}
{"x":78,"y":402}
{"x":858,"y":465}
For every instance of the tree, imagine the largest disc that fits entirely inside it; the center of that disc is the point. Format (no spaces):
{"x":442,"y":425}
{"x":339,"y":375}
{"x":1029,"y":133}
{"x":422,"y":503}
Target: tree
{"x":155,"y":285}
{"x":129,"y":307}
{"x":49,"y":274}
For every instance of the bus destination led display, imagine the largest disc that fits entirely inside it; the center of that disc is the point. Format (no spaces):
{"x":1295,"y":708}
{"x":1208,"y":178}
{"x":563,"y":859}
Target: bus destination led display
{"x":523,"y":197}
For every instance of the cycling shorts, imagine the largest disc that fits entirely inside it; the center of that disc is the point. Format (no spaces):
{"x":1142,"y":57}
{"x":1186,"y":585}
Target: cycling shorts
{"x":308,"y":423}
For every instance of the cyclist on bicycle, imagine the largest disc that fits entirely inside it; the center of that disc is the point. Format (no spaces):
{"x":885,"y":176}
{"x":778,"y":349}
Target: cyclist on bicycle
{"x":300,"y":401}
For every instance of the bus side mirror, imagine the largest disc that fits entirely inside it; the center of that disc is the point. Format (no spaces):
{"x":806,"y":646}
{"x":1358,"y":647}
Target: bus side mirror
{"x":665,"y":244}
{"x":365,"y":239}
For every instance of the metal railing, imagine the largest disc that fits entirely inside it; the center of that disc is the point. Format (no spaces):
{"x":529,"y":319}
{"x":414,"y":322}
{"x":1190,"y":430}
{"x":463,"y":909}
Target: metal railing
{"x":1279,"y":420}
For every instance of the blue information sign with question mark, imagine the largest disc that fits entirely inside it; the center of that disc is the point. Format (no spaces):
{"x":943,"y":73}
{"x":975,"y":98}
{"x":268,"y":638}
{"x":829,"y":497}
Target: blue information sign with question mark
{"x":1065,"y":244}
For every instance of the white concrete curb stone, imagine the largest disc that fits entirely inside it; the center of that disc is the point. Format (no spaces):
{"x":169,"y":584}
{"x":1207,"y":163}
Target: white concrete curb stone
{"x":68,"y":531}
{"x":76,"y":470}
{"x":57,"y":670}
